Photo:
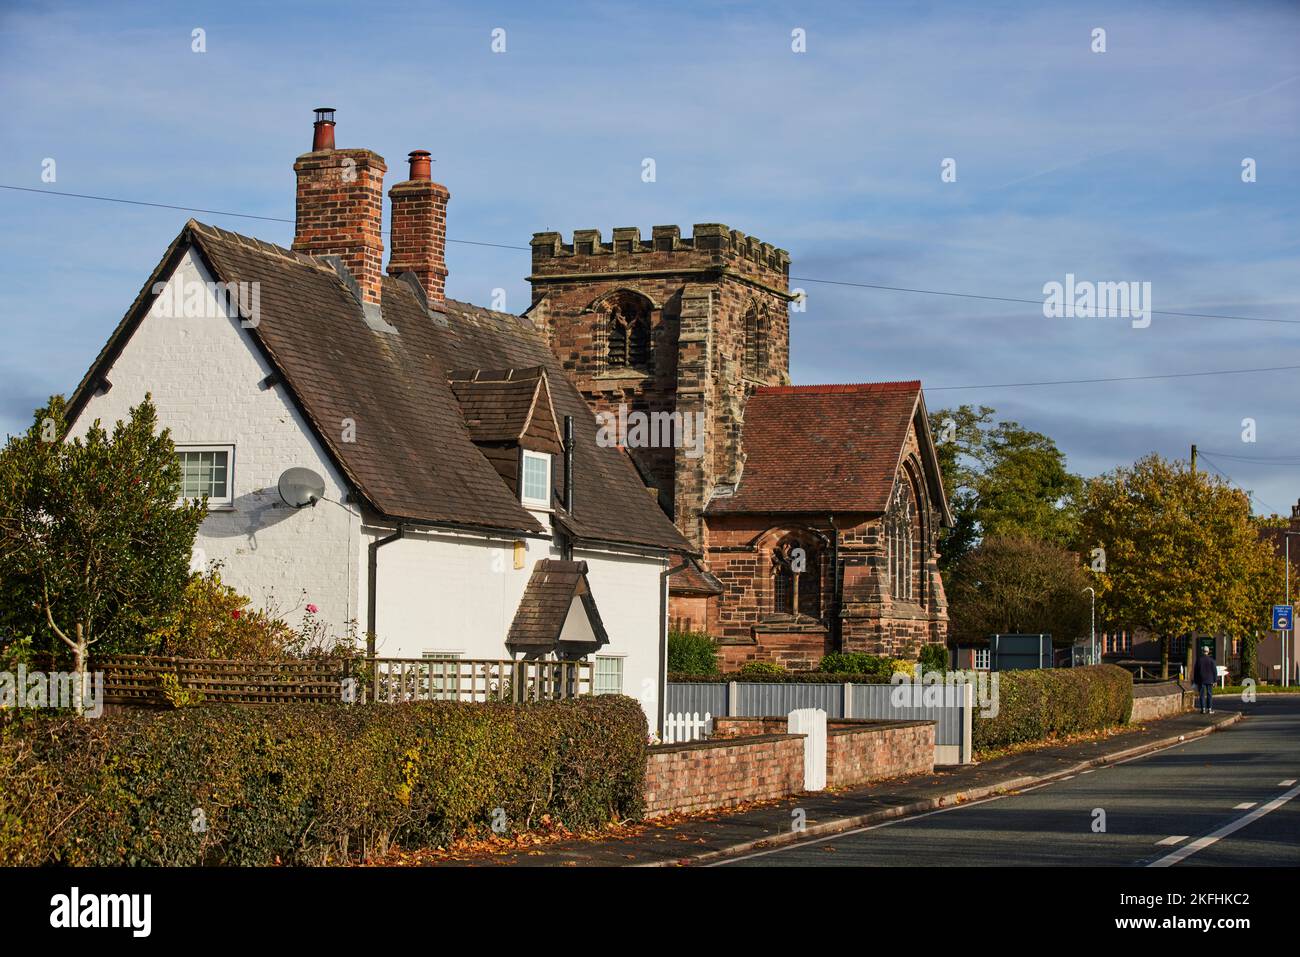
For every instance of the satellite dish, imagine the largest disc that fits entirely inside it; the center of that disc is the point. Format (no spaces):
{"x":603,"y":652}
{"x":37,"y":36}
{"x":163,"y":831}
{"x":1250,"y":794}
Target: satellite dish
{"x":300,"y":487}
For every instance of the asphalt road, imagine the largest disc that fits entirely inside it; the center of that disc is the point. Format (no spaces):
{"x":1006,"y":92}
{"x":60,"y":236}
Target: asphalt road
{"x":1230,"y":798}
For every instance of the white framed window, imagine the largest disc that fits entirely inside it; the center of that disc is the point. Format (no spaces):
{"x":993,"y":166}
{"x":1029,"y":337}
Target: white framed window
{"x":607,"y":677}
{"x":207,"y":470}
{"x":982,"y":659}
{"x":535,"y":479}
{"x":443,"y":679}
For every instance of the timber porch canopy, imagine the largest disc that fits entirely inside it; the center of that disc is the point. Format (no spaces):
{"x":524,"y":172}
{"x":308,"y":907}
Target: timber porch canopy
{"x":557,"y":612}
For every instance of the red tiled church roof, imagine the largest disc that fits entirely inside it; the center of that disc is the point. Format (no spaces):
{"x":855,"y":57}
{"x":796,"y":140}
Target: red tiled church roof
{"x":823,"y":448}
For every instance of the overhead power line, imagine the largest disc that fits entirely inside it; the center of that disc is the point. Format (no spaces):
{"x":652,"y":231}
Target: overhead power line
{"x":1032,"y":302}
{"x":1286,"y":460}
{"x":1228,"y":478}
{"x":213,"y":212}
{"x":1121,"y":378}
{"x":827,"y":282}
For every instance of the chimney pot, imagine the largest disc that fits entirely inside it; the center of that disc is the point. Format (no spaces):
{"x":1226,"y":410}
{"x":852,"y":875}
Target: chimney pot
{"x":420,"y":164}
{"x":340,"y":204}
{"x":323,"y":129}
{"x":418,"y":233}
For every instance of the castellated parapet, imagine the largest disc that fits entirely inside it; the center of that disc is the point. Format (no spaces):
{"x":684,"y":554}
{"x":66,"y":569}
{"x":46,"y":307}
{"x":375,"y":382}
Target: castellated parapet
{"x":710,"y":246}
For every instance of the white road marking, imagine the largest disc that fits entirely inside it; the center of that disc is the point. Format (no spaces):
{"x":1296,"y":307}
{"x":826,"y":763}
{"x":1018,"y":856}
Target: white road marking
{"x":1244,"y":805}
{"x":1172,"y":839}
{"x":1287,"y":783}
{"x":1201,"y":843}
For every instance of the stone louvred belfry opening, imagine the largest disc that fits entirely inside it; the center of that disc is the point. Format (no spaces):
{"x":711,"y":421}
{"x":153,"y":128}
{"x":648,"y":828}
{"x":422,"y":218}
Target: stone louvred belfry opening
{"x":340,"y":206}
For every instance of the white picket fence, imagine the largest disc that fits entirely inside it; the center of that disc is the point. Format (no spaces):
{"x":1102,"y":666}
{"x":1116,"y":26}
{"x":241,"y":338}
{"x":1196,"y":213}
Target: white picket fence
{"x":679,"y":727}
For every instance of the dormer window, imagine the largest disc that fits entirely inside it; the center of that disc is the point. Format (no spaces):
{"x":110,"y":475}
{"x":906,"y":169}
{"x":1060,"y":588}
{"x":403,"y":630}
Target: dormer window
{"x":535,"y":470}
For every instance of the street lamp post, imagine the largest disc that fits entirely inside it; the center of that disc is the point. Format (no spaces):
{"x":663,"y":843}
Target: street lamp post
{"x":1092,"y":625}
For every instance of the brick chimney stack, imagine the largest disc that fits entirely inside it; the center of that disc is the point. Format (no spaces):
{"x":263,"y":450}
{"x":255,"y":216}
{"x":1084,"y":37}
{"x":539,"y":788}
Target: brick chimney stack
{"x":419,"y":229}
{"x":340,"y":208}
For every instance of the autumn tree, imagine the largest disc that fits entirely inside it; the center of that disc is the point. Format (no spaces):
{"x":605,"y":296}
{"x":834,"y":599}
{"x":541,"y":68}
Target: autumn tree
{"x":1176,"y":552}
{"x":1014,"y":584}
{"x":94,"y":546}
{"x":1001,"y":479}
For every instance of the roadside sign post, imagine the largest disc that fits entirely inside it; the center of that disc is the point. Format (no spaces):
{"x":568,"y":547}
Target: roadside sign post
{"x":1283,"y":623}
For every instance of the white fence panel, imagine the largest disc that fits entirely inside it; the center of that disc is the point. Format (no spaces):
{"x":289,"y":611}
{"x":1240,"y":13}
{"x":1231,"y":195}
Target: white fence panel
{"x":679,"y":727}
{"x":811,"y":722}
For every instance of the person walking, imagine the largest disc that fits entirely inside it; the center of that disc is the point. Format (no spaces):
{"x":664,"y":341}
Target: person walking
{"x":1205,"y":674}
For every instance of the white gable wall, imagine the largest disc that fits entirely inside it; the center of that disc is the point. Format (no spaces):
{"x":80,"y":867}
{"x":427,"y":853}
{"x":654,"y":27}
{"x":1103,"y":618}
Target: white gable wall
{"x":205,"y":373}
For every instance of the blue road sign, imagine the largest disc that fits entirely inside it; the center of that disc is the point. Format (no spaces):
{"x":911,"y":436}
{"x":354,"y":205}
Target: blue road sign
{"x":1282,"y":617}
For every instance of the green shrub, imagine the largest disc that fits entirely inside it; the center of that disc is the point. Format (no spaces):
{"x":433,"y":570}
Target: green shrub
{"x":855,"y":663}
{"x":692,"y":653}
{"x":213,"y":620}
{"x":309,"y":784}
{"x":879,"y":667}
{"x":798,"y":677}
{"x":761,"y":669}
{"x":934,"y":658}
{"x":1034,"y":705}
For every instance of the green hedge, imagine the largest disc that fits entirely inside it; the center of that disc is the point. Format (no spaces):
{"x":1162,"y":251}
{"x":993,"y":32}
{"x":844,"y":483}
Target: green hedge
{"x":309,"y":784}
{"x":802,"y":677}
{"x":1033,"y":705}
{"x":692,"y":652}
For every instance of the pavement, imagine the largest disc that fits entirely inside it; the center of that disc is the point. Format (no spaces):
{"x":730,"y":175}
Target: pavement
{"x":1155,"y":780}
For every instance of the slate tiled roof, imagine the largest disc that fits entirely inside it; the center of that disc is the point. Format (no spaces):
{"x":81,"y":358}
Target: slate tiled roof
{"x":823,"y":448}
{"x":692,"y":579}
{"x":412,"y":457}
{"x":499,"y":405}
{"x":545,"y":605}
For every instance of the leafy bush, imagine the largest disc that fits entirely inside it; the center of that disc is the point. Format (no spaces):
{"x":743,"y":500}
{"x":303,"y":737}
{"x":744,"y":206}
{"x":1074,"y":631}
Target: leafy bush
{"x":1034,"y":705}
{"x":308,"y":784}
{"x":934,"y":658}
{"x":762,"y":669}
{"x":797,"y":677}
{"x":94,"y":549}
{"x":843,"y":664}
{"x":856,"y":663}
{"x":213,"y":620}
{"x":692,"y":653}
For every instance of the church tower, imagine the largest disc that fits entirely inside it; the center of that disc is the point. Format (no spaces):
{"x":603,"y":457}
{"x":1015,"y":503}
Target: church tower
{"x":673,"y":325}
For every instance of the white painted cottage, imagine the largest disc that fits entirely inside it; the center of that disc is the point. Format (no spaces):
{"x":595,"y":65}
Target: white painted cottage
{"x":451,"y":524}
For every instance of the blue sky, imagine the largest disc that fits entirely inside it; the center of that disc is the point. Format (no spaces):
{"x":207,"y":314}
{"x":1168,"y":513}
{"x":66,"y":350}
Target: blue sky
{"x":1115,"y":166}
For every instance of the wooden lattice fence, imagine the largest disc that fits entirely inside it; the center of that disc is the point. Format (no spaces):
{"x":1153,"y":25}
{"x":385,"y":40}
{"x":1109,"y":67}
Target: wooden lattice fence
{"x":138,"y":679}
{"x":142,"y":680}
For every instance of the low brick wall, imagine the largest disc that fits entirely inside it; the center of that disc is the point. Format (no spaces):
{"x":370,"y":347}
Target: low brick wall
{"x":1163,"y":700}
{"x":707,"y":775}
{"x":858,"y":750}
